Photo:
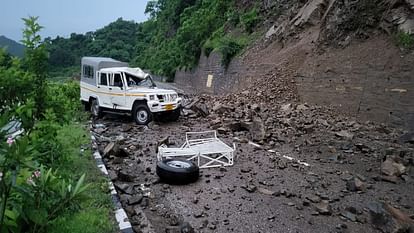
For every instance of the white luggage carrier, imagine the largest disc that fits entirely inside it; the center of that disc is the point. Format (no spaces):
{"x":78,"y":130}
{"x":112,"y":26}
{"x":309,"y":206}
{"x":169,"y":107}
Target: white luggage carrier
{"x":203,"y":148}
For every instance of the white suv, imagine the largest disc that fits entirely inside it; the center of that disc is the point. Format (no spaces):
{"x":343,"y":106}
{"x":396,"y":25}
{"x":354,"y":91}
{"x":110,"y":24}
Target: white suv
{"x":110,"y":85}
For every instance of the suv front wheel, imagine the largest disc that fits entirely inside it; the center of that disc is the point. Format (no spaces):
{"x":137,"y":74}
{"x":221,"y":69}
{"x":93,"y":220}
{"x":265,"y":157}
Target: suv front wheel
{"x":141,"y":114}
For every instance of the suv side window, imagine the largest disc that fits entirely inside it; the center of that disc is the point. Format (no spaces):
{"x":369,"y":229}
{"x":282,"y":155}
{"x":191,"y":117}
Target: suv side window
{"x":117,"y":80}
{"x":103,"y":79}
{"x":88,"y":71}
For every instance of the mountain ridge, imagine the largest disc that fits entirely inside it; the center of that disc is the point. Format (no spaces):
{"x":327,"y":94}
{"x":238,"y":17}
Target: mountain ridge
{"x":13,"y":47}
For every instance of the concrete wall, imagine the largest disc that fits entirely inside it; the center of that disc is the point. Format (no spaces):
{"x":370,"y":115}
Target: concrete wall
{"x":370,"y":81}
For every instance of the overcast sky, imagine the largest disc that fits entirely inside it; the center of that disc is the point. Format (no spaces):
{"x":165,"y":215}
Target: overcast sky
{"x":62,"y":17}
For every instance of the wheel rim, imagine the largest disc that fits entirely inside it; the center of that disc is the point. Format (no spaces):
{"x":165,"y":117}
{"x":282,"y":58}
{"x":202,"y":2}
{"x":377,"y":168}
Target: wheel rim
{"x":95,"y":109}
{"x":142,"y":116}
{"x":178,"y":164}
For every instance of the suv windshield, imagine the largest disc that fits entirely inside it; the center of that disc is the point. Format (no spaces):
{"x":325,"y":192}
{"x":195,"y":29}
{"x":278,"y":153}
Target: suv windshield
{"x":134,"y":81}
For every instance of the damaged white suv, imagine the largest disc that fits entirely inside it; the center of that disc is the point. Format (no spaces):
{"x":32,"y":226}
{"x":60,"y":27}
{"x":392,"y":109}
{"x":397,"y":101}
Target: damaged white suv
{"x":108,"y":85}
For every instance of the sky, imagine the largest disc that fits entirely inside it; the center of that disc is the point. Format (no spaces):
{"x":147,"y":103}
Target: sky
{"x":63,"y":17}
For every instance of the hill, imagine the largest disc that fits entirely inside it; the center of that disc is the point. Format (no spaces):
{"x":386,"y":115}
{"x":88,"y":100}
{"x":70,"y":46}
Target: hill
{"x":12,"y":46}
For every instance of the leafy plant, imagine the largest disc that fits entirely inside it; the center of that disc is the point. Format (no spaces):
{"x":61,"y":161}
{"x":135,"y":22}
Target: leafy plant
{"x":405,"y":40}
{"x":35,"y":61}
{"x":250,"y":19}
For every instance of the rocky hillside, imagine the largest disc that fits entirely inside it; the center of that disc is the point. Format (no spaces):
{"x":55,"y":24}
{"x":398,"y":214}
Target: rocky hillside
{"x":355,"y":56}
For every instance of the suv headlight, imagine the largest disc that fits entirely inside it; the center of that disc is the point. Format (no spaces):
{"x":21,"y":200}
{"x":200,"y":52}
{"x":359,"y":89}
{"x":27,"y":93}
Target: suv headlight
{"x":152,"y":97}
{"x":174,"y":97}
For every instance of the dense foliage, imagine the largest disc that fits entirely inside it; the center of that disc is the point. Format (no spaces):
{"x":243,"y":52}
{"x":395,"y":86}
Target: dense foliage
{"x":42,"y":188}
{"x":172,"y":38}
{"x":116,"y":40}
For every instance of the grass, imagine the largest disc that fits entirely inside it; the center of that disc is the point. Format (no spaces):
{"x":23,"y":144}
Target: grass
{"x":95,"y":213}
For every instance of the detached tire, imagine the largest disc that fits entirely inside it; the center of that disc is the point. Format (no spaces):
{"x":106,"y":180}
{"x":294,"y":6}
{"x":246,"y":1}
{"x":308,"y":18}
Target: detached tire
{"x":141,"y":114}
{"x":177,"y":171}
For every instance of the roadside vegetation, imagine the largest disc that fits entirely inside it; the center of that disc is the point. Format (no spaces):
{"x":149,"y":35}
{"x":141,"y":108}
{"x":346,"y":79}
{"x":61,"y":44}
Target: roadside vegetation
{"x":172,"y":38}
{"x":48,"y":179}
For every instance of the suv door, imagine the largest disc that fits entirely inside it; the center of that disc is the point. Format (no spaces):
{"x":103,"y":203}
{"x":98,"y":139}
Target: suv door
{"x":117,"y":90}
{"x":103,"y":89}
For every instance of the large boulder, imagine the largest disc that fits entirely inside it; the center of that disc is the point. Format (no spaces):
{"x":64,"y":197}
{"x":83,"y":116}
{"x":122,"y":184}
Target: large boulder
{"x":386,"y":218}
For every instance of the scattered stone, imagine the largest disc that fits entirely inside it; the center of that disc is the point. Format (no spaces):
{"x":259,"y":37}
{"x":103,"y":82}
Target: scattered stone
{"x":126,"y":127}
{"x":125,"y":176}
{"x":124,"y":188}
{"x":136,"y":199}
{"x":249,"y":188}
{"x":355,"y":184}
{"x":344,"y":134}
{"x":323,"y":208}
{"x":313,"y":198}
{"x":392,"y":168}
{"x":265,"y":191}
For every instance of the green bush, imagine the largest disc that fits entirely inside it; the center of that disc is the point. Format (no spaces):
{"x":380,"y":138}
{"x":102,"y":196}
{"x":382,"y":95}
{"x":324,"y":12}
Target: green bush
{"x":229,"y":47}
{"x":405,"y":40}
{"x":42,"y":173}
{"x":250,"y":19}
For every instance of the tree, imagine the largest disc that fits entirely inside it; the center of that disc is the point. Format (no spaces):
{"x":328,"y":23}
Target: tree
{"x":36,"y":61}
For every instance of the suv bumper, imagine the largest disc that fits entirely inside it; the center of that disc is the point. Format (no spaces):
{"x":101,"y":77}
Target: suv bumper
{"x":156,"y":106}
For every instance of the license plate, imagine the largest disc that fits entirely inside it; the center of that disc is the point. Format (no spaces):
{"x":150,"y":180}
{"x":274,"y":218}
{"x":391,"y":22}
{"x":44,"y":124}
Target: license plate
{"x":169,"y":107}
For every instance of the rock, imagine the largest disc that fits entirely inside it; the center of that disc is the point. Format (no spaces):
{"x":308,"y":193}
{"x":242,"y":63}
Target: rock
{"x":198,"y":214}
{"x":246,"y":170}
{"x":185,"y":227}
{"x":302,"y":107}
{"x":410,"y":3}
{"x":125,"y":176}
{"x":355,"y":184}
{"x":286,"y":108}
{"x":408,"y":137}
{"x":126,"y":127}
{"x":313,"y":198}
{"x":265,"y":191}
{"x":257,"y":130}
{"x":392,"y":168}
{"x":350,"y":216}
{"x":222,"y":130}
{"x":112,"y":175}
{"x":113,"y":148}
{"x":249,"y":188}
{"x":124,"y":188}
{"x":323,"y":208}
{"x":201,"y":108}
{"x":136,"y":199}
{"x":344,"y":134}
{"x":389,"y":219}
{"x":220,"y":108}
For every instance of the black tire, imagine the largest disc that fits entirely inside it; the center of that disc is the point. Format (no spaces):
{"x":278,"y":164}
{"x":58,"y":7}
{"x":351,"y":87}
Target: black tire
{"x":175,"y":114}
{"x":177,"y":171}
{"x":95,"y":109}
{"x":86,"y":106}
{"x":141,"y":114}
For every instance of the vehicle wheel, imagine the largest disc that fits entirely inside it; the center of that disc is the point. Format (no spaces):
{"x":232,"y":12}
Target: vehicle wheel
{"x":86,"y":106}
{"x":177,"y":171}
{"x":95,"y":109}
{"x":175,"y":114}
{"x":141,"y":114}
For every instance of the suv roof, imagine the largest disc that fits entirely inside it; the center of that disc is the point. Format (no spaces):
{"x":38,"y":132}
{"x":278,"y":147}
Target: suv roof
{"x":134,"y":71}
